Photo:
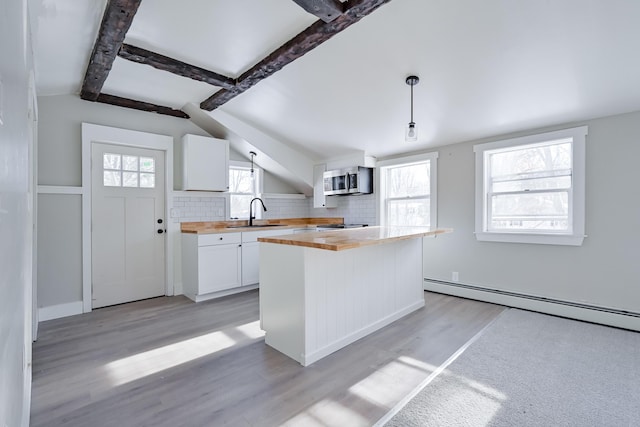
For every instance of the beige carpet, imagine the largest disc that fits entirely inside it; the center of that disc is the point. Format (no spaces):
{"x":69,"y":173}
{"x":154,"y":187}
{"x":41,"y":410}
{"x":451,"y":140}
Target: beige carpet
{"x":531,"y":369}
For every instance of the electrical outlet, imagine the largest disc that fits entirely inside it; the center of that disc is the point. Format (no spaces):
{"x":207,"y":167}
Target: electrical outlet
{"x":454,"y":276}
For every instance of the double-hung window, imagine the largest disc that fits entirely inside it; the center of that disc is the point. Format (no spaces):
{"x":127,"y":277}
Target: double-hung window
{"x":408,"y":191}
{"x":531,"y":189}
{"x":243,"y":186}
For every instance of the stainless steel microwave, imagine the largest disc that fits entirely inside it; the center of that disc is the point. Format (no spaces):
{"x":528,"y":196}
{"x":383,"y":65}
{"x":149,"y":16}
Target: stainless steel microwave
{"x":355,"y":180}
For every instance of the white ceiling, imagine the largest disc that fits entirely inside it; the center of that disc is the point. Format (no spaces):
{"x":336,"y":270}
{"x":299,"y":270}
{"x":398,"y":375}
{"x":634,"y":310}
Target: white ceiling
{"x":486,"y":68}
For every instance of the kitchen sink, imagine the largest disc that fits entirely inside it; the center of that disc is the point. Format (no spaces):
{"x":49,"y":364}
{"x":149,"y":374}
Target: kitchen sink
{"x":256,"y":226}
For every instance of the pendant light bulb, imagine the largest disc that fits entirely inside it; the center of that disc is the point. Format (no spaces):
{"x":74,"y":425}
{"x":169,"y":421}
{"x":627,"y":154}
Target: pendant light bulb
{"x":411,"y":132}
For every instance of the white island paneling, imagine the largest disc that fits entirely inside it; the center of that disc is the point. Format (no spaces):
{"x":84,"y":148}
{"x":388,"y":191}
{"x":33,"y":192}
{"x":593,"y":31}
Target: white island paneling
{"x":315,"y":301}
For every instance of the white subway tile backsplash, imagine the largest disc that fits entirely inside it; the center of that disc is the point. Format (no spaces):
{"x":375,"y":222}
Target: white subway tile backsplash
{"x":354,"y":209}
{"x":196,"y":209}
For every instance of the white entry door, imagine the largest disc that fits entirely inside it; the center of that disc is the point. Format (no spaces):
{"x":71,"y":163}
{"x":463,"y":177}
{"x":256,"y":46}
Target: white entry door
{"x":128,"y":224}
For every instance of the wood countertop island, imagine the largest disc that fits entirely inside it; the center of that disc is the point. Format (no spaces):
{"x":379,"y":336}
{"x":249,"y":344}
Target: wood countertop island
{"x":321,"y":291}
{"x":339,"y":240}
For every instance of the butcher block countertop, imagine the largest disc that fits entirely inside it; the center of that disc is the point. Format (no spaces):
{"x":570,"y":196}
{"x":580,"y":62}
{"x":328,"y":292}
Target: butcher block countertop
{"x":354,"y":237}
{"x":211,"y":227}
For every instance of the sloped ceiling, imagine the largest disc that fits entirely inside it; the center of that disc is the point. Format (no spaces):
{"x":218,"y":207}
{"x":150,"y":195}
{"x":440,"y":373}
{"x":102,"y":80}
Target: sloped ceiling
{"x":486,"y":68}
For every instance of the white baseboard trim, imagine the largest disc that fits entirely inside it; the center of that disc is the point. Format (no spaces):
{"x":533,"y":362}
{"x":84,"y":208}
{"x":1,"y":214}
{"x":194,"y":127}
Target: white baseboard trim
{"x":178,"y":289}
{"x":213,"y":295}
{"x":572,"y":310}
{"x":60,"y":310}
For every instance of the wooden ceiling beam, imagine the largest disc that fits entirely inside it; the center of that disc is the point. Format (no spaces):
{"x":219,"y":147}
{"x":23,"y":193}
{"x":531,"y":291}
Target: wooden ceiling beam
{"x":164,"y":63}
{"x":140,"y":105}
{"x":326,"y":10}
{"x":312,"y":37}
{"x":115,"y":23}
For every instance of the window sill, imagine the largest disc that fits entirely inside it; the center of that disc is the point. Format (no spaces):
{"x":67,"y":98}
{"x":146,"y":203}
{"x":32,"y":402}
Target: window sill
{"x":537,"y":239}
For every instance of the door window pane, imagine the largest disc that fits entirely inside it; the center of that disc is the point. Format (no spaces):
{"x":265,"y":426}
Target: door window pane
{"x":111,"y":161}
{"x":129,"y":179}
{"x":147,"y":180}
{"x":130,"y":163}
{"x":147,"y":164}
{"x":112,"y":179}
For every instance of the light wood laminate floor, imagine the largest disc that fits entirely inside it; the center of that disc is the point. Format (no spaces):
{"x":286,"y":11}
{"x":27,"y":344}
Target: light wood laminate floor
{"x":170,"y":362}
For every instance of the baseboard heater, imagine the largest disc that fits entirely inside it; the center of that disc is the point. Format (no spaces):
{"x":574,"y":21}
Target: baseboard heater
{"x":536,"y":298}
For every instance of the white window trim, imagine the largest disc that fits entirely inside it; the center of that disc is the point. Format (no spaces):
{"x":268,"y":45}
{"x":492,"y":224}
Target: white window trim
{"x":259,"y":191}
{"x":405,"y":161}
{"x":577,"y":205}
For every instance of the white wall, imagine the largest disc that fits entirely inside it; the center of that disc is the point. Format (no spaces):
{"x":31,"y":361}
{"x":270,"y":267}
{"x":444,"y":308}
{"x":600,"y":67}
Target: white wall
{"x":604,"y":271}
{"x":61,"y":142}
{"x":59,"y":164}
{"x":15,"y":210}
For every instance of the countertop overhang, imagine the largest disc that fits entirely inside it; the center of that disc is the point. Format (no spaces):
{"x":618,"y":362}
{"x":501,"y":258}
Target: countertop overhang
{"x":354,"y":237}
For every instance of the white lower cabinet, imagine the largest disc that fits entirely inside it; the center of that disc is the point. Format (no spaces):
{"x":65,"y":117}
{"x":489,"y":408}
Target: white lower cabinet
{"x":250,"y":263}
{"x":215,"y":265}
{"x":251,"y":254}
{"x":218,"y":268}
{"x":211,"y":264}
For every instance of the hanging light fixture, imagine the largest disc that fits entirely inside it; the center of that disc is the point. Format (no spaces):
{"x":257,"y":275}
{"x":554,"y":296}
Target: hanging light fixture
{"x":411,"y":133}
{"x":252,"y":154}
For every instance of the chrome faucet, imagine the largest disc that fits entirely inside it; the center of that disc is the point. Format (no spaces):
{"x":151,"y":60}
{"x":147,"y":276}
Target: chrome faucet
{"x":251,"y":217}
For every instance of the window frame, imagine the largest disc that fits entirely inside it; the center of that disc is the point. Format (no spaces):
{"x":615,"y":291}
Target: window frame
{"x":383,"y":165}
{"x":258,"y":173}
{"x":576,"y":193}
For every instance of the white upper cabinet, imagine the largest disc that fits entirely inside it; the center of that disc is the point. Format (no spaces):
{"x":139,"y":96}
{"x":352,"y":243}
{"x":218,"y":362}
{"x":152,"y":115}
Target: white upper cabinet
{"x":319,"y":199}
{"x":205,"y":164}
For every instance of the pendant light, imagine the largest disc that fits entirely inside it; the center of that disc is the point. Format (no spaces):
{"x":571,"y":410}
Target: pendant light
{"x":252,"y":154}
{"x":411,"y":132}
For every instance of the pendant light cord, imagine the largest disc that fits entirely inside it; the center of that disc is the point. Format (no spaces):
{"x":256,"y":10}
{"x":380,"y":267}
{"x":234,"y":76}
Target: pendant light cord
{"x":412,"y":103}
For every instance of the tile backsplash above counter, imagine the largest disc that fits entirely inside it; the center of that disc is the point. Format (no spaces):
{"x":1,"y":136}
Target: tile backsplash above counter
{"x":203,"y":207}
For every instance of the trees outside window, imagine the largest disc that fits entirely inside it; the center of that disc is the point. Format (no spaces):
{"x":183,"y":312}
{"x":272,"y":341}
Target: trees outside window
{"x":408,"y":191}
{"x":243,"y":186}
{"x":531,"y":189}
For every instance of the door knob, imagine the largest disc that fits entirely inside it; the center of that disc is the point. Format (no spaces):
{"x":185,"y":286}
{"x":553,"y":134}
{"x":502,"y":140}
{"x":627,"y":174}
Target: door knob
{"x":160,"y":231}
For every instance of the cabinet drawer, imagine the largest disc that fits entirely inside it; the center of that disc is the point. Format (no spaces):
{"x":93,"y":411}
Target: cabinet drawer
{"x":252,"y":236}
{"x":218,"y":239}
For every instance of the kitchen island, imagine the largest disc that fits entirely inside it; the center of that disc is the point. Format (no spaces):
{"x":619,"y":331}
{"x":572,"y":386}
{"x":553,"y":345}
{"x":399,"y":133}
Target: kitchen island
{"x":321,"y":291}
